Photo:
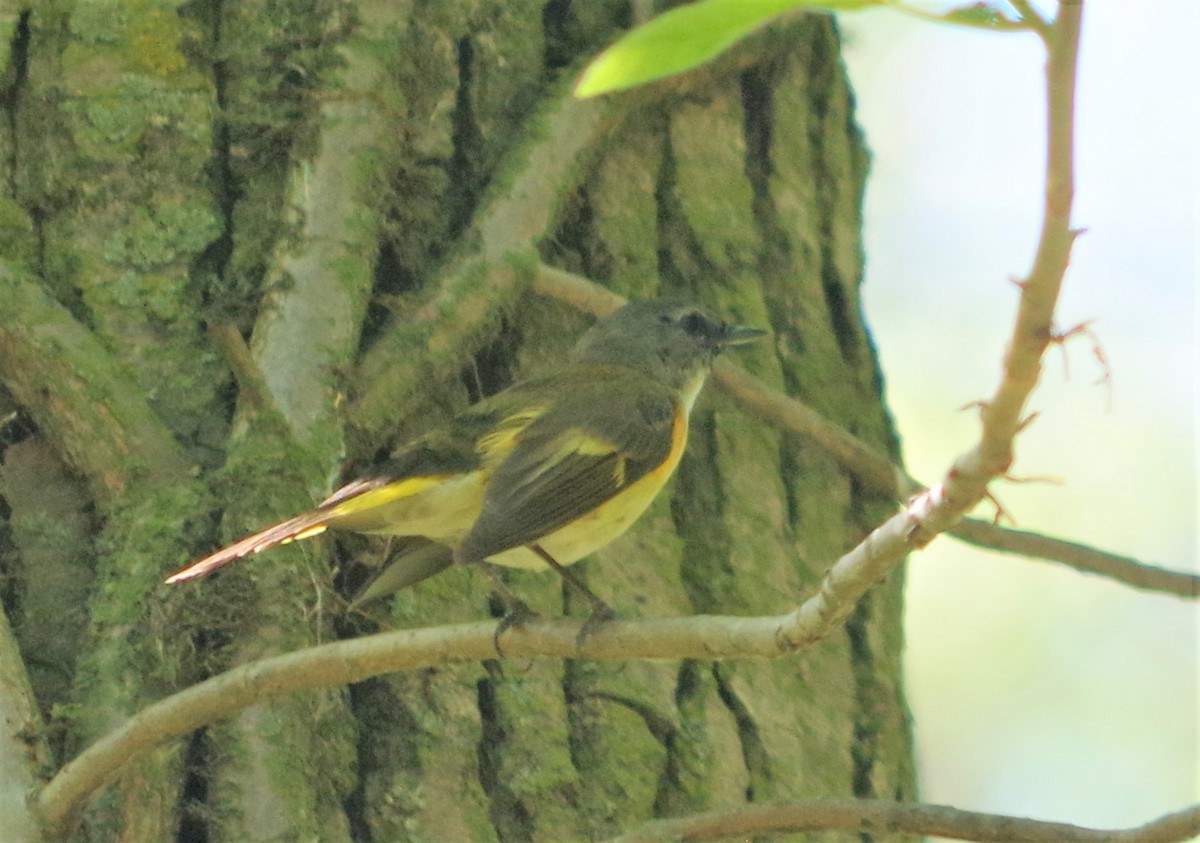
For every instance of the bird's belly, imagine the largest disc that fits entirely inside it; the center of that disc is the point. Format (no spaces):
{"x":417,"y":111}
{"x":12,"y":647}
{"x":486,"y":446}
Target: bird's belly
{"x":591,"y":531}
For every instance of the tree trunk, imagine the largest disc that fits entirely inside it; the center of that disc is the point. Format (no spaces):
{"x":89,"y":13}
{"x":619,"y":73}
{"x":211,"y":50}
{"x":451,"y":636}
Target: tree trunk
{"x":247,"y":247}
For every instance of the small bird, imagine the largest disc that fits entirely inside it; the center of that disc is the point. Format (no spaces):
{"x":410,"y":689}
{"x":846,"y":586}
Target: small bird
{"x":539,"y":475}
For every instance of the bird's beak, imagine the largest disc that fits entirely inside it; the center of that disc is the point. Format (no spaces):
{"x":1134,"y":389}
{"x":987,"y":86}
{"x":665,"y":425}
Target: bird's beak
{"x":739,"y":335}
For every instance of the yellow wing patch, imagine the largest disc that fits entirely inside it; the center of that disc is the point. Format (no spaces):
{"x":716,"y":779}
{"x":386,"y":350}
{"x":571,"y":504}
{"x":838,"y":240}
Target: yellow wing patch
{"x":498,"y":444}
{"x":575,"y":442}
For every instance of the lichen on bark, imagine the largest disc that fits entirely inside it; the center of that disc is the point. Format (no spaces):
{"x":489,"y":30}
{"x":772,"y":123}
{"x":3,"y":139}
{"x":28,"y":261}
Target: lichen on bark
{"x":358,"y":193}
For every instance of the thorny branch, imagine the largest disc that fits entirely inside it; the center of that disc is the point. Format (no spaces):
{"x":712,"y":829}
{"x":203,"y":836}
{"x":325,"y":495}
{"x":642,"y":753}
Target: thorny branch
{"x":941,"y":507}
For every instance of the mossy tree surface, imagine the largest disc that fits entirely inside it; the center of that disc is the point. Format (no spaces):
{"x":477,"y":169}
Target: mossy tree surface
{"x":298,"y":176}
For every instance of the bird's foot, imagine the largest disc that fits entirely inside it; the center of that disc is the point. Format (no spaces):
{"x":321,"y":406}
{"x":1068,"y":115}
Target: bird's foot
{"x":601,"y":614}
{"x":517,"y":613}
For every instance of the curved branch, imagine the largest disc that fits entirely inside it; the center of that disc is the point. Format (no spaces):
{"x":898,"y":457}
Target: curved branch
{"x":872,"y":816}
{"x":345,"y":662}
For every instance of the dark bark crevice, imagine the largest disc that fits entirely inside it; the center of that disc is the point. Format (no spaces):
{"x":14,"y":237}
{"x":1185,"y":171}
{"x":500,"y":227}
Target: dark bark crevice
{"x":863,"y":748}
{"x":510,"y":817}
{"x":682,"y":766}
{"x":775,"y":259}
{"x":465,"y":177}
{"x":824,"y":64}
{"x":210,"y":268}
{"x":194,"y":824}
{"x":754,"y":749}
{"x":16,"y":77}
{"x":684,"y":268}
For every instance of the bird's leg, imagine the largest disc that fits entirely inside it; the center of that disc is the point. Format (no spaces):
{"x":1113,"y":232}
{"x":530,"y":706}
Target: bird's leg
{"x":601,"y":611}
{"x":516,"y":612}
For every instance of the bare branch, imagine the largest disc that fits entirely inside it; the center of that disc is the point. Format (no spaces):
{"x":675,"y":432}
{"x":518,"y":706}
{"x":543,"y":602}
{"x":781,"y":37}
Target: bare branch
{"x":345,"y":662}
{"x":872,"y":816}
{"x":575,"y":290}
{"x":871,"y":468}
{"x":707,"y":637}
{"x":1080,"y":557}
{"x":966,"y":483}
{"x":875,"y":470}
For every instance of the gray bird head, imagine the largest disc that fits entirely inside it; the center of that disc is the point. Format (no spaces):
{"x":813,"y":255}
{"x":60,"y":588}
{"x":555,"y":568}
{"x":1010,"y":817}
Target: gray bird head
{"x":672,"y":341}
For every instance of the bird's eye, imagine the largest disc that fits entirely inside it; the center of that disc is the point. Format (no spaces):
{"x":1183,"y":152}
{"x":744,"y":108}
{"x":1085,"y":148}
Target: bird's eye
{"x":694,"y":323}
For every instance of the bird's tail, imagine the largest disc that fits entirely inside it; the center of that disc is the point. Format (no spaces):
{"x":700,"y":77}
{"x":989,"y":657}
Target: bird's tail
{"x":300,"y":527}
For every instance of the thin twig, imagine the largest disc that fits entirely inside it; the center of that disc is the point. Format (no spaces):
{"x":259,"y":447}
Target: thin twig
{"x":872,"y":816}
{"x":1123,"y":569}
{"x":1031,"y":18}
{"x":252,"y":386}
{"x":943,"y":506}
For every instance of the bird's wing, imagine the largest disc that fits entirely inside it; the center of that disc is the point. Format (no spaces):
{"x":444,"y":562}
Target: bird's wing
{"x":570,"y":459}
{"x":407,"y":567}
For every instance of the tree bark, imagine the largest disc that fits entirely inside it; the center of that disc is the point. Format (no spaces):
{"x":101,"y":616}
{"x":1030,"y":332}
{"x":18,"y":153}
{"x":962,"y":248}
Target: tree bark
{"x":249,"y":247}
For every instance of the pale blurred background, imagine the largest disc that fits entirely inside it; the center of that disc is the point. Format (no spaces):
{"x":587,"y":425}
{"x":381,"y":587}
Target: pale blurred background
{"x":1037,"y":690}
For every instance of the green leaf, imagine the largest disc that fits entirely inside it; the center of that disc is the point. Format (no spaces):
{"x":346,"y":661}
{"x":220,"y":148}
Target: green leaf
{"x":686,"y":37}
{"x":979,"y":14}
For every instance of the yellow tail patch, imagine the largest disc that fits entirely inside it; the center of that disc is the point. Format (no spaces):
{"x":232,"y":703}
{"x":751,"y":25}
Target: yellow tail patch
{"x":384,"y":495}
{"x":300,"y":536}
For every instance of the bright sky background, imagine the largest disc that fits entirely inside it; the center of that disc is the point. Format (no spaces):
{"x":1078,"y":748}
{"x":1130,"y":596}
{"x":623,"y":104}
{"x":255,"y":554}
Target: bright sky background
{"x":1036,"y":690}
